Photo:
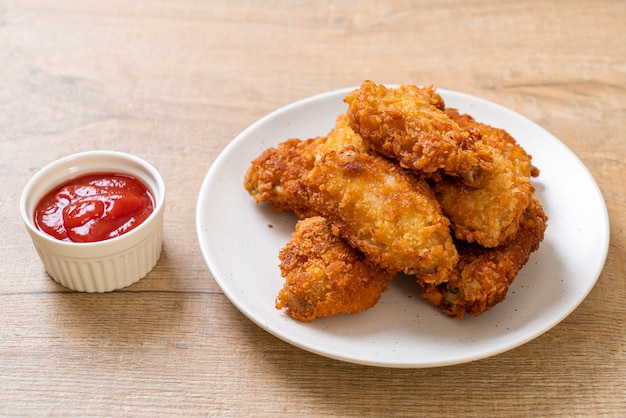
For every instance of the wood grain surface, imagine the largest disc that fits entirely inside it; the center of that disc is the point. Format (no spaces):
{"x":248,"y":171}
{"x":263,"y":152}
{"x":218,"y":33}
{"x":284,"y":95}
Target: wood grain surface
{"x":173,"y":82}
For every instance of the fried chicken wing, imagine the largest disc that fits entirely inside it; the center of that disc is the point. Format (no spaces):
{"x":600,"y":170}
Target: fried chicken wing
{"x":490,"y":212}
{"x":482,"y":276}
{"x":497,"y":140}
{"x":324,"y":276}
{"x":275,"y":175}
{"x":408,"y":124}
{"x":389,"y":215}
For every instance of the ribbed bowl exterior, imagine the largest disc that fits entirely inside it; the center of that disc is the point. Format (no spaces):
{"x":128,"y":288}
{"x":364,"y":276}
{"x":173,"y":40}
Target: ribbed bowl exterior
{"x":104,"y":274}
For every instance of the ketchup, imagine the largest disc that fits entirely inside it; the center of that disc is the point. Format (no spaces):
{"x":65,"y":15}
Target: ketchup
{"x":94,"y":207}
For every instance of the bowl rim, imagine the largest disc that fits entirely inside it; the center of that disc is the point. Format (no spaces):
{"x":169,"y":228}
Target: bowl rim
{"x":63,"y":164}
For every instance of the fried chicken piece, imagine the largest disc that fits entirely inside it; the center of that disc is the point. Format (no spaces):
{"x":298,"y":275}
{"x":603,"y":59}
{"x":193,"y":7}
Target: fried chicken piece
{"x":376,"y":206}
{"x":324,"y":276}
{"x":408,"y":124}
{"x":275,"y":175}
{"x":386,"y":213}
{"x":490,"y":212}
{"x":499,"y":140}
{"x":482,"y":276}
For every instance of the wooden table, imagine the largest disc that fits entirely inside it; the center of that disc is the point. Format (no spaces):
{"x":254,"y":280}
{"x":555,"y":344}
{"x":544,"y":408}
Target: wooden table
{"x":173,"y":81}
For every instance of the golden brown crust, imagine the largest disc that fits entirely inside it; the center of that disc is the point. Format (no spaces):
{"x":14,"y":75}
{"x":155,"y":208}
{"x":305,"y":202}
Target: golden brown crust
{"x":378,"y":219}
{"x":376,"y":206}
{"x":408,"y":124}
{"x":483,"y":275}
{"x":383,"y":211}
{"x":324,"y":276}
{"x":274,"y":176}
{"x":489,"y":212}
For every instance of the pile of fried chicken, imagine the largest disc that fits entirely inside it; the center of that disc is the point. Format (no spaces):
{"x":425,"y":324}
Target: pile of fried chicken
{"x":400,"y":184}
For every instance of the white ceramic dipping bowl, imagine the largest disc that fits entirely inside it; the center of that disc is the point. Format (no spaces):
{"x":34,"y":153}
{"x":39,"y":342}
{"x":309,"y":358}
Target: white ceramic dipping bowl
{"x":101,"y":266}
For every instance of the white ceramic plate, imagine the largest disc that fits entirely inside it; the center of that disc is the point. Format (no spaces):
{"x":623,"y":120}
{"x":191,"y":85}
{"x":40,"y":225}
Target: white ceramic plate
{"x":240,"y":242}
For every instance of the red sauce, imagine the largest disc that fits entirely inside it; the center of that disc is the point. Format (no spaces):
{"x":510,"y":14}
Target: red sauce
{"x":95,"y":207}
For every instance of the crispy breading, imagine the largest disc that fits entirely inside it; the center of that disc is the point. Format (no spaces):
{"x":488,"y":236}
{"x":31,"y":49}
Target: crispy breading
{"x":383,"y":211}
{"x":489,"y":212}
{"x":376,"y":206}
{"x":365,"y":217}
{"x":275,"y":175}
{"x":324,"y":276}
{"x":482,"y":276}
{"x":500,"y":140}
{"x":408,"y":124}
